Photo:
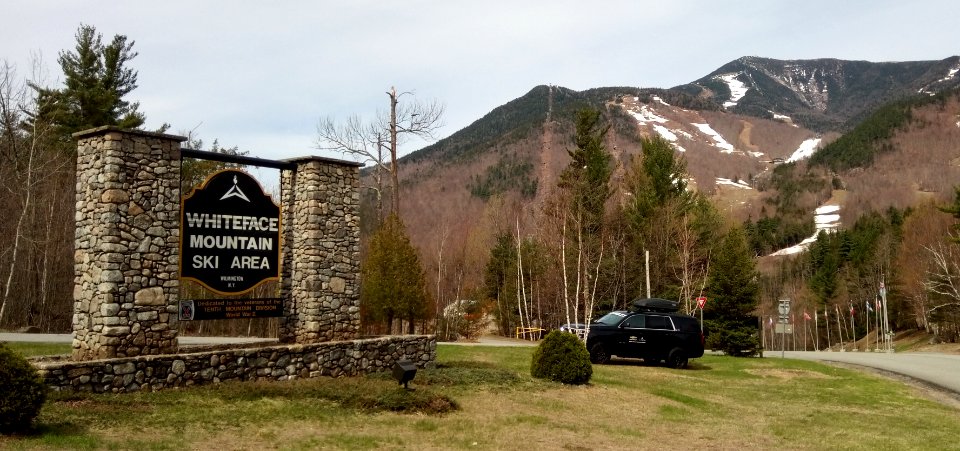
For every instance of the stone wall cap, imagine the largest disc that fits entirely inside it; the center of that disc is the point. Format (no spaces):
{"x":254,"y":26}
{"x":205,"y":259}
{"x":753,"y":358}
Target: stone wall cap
{"x":113,"y":128}
{"x":334,"y":161}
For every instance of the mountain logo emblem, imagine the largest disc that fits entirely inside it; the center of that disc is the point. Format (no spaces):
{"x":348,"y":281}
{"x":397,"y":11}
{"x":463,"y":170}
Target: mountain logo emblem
{"x":234,"y":191}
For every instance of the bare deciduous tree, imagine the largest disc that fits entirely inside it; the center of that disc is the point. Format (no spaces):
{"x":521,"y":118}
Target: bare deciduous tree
{"x":369,"y":140}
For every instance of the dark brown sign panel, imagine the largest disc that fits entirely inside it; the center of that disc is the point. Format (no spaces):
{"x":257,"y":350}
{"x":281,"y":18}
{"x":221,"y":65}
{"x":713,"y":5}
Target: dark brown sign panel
{"x":230,"y":234}
{"x":204,"y":309}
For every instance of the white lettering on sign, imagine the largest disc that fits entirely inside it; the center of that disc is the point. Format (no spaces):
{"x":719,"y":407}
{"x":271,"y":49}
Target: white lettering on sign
{"x":250,"y":243}
{"x":250,"y":262}
{"x":231,"y":222}
{"x":206,"y":261}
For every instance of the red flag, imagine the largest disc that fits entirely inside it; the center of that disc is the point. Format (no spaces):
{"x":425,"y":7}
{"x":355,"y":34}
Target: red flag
{"x":851,"y":309}
{"x":806,"y":316}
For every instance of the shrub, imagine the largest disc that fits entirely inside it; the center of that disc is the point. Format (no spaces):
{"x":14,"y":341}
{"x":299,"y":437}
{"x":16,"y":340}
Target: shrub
{"x":562,"y":357}
{"x":22,"y":392}
{"x":736,"y":342}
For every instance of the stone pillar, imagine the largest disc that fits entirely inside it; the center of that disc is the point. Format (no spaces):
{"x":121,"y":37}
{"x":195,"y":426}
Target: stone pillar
{"x":320,"y":277}
{"x":127,"y":243}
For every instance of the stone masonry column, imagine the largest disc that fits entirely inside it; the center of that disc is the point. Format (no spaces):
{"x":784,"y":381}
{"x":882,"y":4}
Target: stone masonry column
{"x":320,"y":275}
{"x":126,"y":257}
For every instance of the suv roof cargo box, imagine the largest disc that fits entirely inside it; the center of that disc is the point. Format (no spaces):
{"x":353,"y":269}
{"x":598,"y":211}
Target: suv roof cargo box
{"x":656,"y":305}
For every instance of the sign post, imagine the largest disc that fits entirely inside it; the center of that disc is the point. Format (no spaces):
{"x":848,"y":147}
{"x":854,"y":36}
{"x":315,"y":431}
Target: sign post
{"x":701,"y":302}
{"x":784,"y":310}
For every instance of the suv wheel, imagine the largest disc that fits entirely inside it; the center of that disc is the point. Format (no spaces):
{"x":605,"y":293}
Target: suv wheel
{"x":677,"y":358}
{"x":599,"y":354}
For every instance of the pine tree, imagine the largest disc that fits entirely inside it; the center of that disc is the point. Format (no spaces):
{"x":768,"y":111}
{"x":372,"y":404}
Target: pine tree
{"x":393,"y":285}
{"x":733,"y":290}
{"x":96,"y":81}
{"x":587,"y":177}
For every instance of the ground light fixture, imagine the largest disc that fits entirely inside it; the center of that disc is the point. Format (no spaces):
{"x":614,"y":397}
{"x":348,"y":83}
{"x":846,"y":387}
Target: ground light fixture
{"x":404,"y":371}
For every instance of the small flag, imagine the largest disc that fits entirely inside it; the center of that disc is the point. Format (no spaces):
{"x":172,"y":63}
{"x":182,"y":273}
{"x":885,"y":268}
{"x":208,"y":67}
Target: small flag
{"x":851,"y":309}
{"x":806,"y":316}
{"x":878,"y":304}
{"x":869,"y":308}
{"x":826,"y":313}
{"x":771,"y":321}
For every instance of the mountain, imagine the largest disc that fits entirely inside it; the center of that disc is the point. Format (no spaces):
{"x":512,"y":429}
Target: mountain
{"x":735,"y":128}
{"x":820,"y":94}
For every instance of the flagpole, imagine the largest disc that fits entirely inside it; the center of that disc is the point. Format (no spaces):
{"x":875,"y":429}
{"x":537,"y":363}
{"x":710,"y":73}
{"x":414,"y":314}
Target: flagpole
{"x":876,"y":319}
{"x":867,"y":312}
{"x":887,"y":339}
{"x":816,"y":328}
{"x":853,"y":327}
{"x":839,"y":329}
{"x":826,"y":317}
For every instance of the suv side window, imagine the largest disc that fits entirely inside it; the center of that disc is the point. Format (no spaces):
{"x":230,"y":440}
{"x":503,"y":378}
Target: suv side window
{"x":659,"y":322}
{"x":635,"y":322}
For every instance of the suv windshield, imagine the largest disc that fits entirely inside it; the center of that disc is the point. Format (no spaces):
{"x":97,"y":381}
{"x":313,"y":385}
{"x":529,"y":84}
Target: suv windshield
{"x":611,"y":319}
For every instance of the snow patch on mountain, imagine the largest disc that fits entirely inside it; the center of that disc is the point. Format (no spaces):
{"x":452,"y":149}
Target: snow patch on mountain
{"x":825,"y":218}
{"x":658,"y":99}
{"x":646,"y":115}
{"x":740,"y":184}
{"x":806,"y":149}
{"x":665,"y":133}
{"x":737,"y":88}
{"x":718,"y":140}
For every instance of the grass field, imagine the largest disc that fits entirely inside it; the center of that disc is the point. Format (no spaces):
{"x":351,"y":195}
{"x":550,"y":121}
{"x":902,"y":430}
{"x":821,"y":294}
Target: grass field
{"x":483,"y":398}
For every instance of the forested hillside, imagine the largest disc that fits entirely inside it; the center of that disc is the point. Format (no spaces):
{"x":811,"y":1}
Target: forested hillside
{"x":543,"y":211}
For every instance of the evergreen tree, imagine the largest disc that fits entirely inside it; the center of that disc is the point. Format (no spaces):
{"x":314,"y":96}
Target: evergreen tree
{"x":676,"y":226}
{"x":584,"y":188}
{"x":96,"y":81}
{"x":393,"y":285}
{"x":587,"y":177}
{"x":733,"y":290}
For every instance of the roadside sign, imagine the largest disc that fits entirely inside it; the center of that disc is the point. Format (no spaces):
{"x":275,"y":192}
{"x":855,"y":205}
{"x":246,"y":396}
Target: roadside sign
{"x":784,"y":309}
{"x":783,"y":328}
{"x":701,"y":301}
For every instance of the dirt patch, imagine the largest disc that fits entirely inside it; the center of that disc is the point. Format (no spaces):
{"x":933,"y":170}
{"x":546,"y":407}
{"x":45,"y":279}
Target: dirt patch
{"x":745,"y":136}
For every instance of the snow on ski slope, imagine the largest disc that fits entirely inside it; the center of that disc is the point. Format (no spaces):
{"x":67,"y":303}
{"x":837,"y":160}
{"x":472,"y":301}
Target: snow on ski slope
{"x":805,"y":150}
{"x":718,"y":140}
{"x":740,"y":184}
{"x":825,"y":218}
{"x":737,"y":89}
{"x":646,"y":115}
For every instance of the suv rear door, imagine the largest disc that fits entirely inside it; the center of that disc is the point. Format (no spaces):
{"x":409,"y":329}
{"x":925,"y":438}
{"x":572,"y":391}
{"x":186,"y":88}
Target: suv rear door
{"x":660,"y":335}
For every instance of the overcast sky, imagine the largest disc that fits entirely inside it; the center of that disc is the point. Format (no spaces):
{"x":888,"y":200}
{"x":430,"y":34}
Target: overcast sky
{"x":259,"y":74}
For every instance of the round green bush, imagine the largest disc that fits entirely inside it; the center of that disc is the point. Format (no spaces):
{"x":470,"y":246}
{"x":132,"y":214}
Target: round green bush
{"x":562,"y":357}
{"x":22,"y":392}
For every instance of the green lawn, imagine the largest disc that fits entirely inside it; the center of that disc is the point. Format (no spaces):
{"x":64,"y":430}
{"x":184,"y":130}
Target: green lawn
{"x":32,"y":349}
{"x":483,"y":398}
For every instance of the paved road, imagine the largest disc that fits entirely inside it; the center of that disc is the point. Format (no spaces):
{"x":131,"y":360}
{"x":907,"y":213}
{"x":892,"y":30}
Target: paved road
{"x":940,"y":370}
{"x":184,"y":340}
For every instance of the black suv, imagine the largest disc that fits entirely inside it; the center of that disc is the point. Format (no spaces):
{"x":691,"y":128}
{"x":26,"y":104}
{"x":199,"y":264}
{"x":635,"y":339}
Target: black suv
{"x":651,"y":330}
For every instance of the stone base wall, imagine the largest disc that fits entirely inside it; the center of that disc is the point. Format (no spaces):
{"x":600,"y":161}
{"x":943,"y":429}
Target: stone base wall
{"x":277,"y":363}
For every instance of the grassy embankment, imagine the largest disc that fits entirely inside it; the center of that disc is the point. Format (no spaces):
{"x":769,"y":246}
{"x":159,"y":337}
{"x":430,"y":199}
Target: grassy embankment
{"x":484,"y":398}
